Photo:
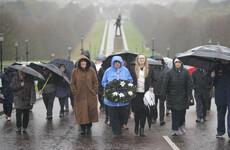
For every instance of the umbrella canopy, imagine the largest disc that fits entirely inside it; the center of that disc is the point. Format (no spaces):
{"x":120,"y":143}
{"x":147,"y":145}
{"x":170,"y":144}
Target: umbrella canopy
{"x":152,"y":62}
{"x":40,"y":66}
{"x":69,"y":65}
{"x":28,"y":70}
{"x":126,"y":55}
{"x":204,"y":56}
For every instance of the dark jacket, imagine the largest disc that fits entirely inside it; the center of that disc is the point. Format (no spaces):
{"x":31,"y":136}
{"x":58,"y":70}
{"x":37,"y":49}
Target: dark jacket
{"x":176,"y":88}
{"x":63,"y":90}
{"x":100,"y":76}
{"x":23,"y":96}
{"x":51,"y":85}
{"x":150,"y":81}
{"x":199,"y":84}
{"x":7,"y":77}
{"x":160,"y":73}
{"x":221,"y":82}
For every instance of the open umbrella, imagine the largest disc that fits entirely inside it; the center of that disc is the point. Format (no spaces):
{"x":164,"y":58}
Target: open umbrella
{"x":126,"y":55}
{"x":27,"y":70}
{"x":204,"y":56}
{"x":69,"y":65}
{"x":40,"y":66}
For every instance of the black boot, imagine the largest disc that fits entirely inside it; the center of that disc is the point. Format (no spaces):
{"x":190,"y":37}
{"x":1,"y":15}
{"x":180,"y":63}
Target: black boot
{"x":136,"y":129}
{"x":83,"y":130}
{"x":142,"y":132}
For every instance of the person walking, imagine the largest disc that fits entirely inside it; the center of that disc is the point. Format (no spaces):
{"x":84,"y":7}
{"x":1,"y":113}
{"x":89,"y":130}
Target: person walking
{"x":177,"y":91}
{"x":6,"y":78}
{"x":48,"y":90}
{"x":221,"y":81}
{"x":201,"y":92}
{"x":144,"y":79}
{"x":117,"y":111}
{"x":24,"y":97}
{"x":62,"y":92}
{"x":160,"y":73}
{"x":84,"y":86}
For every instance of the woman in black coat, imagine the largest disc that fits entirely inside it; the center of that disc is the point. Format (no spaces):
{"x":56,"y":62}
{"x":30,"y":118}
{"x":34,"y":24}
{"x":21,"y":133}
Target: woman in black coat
{"x":144,"y":77}
{"x":177,"y":91}
{"x":24,"y":97}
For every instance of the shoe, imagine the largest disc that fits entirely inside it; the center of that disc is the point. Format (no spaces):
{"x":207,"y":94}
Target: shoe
{"x":107,"y":122}
{"x":18,"y":130}
{"x":49,"y":117}
{"x":136,"y":130}
{"x":204,"y":119}
{"x":162,"y":123}
{"x":67,"y":110}
{"x":89,"y":131}
{"x":125,"y":127}
{"x":24,"y":130}
{"x":8,"y":119}
{"x":142,"y":134}
{"x":82,"y":132}
{"x":154,"y":121}
{"x":116,"y":136}
{"x":175,"y":133}
{"x":198,"y":120}
{"x":61,"y":115}
{"x":182,"y":130}
{"x":219,"y":135}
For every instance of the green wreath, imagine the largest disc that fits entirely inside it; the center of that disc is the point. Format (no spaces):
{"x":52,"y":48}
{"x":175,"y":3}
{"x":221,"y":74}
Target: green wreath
{"x":120,"y":91}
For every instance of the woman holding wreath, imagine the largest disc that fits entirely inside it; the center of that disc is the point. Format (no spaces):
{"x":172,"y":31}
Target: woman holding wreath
{"x":117,"y":111}
{"x":144,"y":79}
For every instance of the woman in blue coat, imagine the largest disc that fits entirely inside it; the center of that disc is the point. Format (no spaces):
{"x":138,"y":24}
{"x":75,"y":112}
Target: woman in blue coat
{"x":117,"y":111}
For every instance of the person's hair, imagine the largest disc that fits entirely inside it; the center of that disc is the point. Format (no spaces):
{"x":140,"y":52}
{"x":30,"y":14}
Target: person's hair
{"x":137,"y":68}
{"x":61,"y":65}
{"x":87,"y":64}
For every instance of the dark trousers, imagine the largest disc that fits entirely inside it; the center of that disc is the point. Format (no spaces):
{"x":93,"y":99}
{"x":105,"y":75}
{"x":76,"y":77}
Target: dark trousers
{"x":221,"y":113}
{"x":101,"y":99}
{"x":127,"y":114}
{"x":86,"y":126}
{"x":178,"y":119}
{"x":117,"y":117}
{"x":48,"y":100}
{"x":141,"y":113}
{"x":161,"y":107}
{"x":201,"y":107}
{"x":209,"y":101}
{"x":62,"y":104}
{"x":7,"y":109}
{"x":106,"y":112}
{"x":22,"y":122}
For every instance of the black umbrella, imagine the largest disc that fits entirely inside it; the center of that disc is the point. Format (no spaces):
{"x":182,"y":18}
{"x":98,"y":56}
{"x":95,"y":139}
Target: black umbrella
{"x":28,"y":70}
{"x":69,"y":65}
{"x":126,"y":55}
{"x":204,"y":56}
{"x":40,"y":66}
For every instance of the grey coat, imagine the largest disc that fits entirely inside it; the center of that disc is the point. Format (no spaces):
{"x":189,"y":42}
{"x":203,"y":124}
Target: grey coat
{"x":23,"y":96}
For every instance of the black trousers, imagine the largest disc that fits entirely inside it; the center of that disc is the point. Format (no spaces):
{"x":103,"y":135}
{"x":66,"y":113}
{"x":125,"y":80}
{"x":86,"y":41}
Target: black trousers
{"x":201,"y":107}
{"x":86,"y":126}
{"x":22,"y":113}
{"x":101,"y":99}
{"x":161,"y":108}
{"x":62,"y":104}
{"x":7,"y":109}
{"x":178,"y":118}
{"x":106,"y":112}
{"x":141,"y":113}
{"x":117,"y":117}
{"x":48,"y":100}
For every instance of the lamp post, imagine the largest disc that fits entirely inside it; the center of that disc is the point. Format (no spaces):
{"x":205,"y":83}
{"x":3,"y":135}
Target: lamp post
{"x":1,"y":41}
{"x":168,"y":49}
{"x":82,"y":38}
{"x":27,"y":51}
{"x":16,"y":54}
{"x":69,"y":49}
{"x":153,"y":46}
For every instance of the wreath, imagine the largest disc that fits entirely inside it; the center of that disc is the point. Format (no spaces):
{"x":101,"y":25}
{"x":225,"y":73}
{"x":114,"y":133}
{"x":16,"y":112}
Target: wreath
{"x":120,"y":91}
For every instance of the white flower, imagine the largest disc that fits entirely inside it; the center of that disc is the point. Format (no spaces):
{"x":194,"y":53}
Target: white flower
{"x":115,"y":93}
{"x":130,"y":93}
{"x":130,"y":84}
{"x":121,"y":95}
{"x":122,"y":83}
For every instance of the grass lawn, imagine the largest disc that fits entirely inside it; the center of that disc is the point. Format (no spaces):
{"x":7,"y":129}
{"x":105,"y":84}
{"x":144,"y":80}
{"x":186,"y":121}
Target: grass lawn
{"x":94,"y":36}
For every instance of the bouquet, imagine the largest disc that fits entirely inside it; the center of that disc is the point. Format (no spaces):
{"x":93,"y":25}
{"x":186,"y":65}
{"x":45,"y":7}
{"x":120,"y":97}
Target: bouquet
{"x":120,"y":91}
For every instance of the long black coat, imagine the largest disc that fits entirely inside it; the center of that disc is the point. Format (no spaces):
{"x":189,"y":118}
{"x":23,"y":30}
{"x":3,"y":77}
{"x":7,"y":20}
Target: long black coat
{"x":177,"y":89}
{"x":150,"y":81}
{"x":23,"y":96}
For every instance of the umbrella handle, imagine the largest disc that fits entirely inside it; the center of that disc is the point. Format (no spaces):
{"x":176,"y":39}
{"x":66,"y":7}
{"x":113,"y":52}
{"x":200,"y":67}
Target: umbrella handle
{"x":46,"y":82}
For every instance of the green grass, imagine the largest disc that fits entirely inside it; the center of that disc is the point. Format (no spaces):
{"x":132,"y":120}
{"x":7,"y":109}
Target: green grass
{"x":135,"y":39}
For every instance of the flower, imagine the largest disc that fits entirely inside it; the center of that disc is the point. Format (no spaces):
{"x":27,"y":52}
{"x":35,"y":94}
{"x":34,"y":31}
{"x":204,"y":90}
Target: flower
{"x":120,"y":91}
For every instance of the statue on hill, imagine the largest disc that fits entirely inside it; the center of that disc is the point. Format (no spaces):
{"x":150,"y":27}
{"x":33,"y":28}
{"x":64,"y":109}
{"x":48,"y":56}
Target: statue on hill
{"x":118,"y":25}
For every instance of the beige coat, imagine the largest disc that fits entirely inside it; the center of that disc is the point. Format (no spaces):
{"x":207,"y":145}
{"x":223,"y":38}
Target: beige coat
{"x":84,"y":86}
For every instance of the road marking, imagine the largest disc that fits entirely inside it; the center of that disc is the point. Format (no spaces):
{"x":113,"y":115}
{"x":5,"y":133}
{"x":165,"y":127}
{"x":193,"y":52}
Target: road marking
{"x":171,"y":143}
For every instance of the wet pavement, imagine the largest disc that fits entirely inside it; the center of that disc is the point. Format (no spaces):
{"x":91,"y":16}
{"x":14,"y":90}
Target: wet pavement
{"x":63,"y":134}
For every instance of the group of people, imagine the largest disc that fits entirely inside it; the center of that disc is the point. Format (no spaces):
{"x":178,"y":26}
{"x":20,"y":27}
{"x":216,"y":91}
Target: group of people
{"x":173,"y":85}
